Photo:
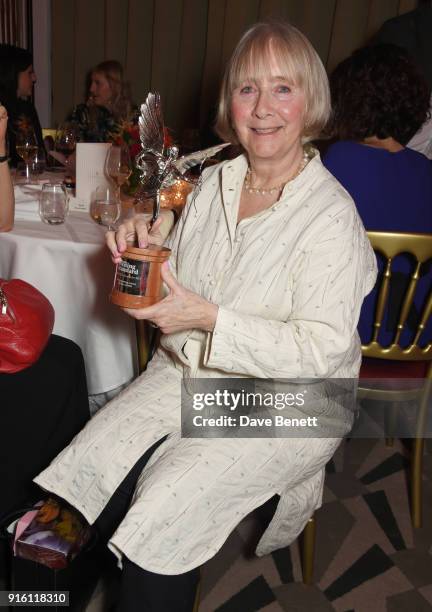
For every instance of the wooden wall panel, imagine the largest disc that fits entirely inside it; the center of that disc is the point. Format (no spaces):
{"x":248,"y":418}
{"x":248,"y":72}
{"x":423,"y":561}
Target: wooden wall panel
{"x":13,"y":22}
{"x":63,"y":58}
{"x":116,"y":28}
{"x":188,"y":77}
{"x":239,"y":16}
{"x":378,"y":13}
{"x":139,"y":55}
{"x":168,"y":23}
{"x":348,"y":31}
{"x":407,"y":5}
{"x":180,"y":47}
{"x":89,"y":42}
{"x":213,"y":62}
{"x":315,"y":19}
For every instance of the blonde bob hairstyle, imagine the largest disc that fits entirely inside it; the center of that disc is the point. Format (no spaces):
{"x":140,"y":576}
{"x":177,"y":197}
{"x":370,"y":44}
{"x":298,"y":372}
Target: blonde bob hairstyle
{"x":298,"y":62}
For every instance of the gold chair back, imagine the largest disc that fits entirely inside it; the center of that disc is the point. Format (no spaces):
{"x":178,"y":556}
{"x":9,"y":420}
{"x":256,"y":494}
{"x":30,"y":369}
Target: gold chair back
{"x":391,"y":244}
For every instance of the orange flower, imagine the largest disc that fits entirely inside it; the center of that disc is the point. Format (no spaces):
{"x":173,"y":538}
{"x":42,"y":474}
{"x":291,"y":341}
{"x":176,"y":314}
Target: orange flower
{"x":168,"y":140}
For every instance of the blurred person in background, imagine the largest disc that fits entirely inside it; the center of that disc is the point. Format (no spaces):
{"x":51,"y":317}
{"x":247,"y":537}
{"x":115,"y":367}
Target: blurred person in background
{"x":379,"y":101}
{"x":108,"y":104}
{"x":412,"y":31}
{"x":17,"y":78}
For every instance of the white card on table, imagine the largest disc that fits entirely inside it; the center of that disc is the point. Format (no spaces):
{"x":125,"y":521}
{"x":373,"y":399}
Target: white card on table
{"x":90,"y":171}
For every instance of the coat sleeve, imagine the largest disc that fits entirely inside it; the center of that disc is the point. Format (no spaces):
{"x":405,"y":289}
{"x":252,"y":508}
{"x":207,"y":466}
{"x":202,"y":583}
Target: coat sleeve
{"x":328,"y":289}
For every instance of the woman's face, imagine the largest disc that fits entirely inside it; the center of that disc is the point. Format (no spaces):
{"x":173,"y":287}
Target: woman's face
{"x":26,"y":78}
{"x":100,"y":89}
{"x":268,"y":116}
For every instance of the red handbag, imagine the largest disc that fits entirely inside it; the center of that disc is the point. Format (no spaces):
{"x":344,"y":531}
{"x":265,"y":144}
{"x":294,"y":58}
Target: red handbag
{"x":26,"y":323}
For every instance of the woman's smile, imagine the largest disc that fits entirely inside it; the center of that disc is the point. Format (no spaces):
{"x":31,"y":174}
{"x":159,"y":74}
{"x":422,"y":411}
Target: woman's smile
{"x":265,"y":131}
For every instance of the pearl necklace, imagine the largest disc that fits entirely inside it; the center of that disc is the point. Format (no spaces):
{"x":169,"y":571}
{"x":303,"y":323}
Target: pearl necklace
{"x":277,"y":188}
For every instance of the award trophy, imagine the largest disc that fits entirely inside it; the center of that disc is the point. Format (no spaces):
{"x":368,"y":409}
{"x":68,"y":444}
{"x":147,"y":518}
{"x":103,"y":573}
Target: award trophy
{"x":138,"y":282}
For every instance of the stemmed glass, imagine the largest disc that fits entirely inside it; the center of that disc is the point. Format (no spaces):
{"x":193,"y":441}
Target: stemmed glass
{"x":65,"y":142}
{"x":118,"y":166}
{"x":104,"y":208}
{"x":27,"y":148}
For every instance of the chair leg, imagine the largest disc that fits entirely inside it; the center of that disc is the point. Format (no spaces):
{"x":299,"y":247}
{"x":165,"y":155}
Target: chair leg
{"x":197,"y":596}
{"x":143,"y":344}
{"x":308,"y":547}
{"x":417,"y":454}
{"x":390,"y":420}
{"x":416,"y":483}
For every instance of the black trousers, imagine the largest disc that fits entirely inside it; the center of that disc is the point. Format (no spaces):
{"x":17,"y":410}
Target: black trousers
{"x":42,"y":408}
{"x":141,"y":590}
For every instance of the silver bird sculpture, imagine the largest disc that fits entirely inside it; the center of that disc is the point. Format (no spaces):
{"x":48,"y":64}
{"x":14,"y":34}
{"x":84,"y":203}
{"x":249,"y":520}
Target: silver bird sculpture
{"x":159,"y":165}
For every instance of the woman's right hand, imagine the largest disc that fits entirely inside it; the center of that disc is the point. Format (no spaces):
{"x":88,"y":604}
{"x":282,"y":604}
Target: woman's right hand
{"x":137,"y":227}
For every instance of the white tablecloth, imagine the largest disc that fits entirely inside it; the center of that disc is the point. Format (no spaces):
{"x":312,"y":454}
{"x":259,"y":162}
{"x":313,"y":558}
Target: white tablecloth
{"x":71,"y":266}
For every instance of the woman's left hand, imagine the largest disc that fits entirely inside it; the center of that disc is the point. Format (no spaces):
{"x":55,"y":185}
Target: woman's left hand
{"x":181,"y":309}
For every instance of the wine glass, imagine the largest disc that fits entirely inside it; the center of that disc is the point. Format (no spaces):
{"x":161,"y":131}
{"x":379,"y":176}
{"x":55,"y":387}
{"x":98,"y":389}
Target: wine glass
{"x":39,"y":163}
{"x":27,"y":148}
{"x":118,"y":166}
{"x":105,"y":207}
{"x":65,"y":142}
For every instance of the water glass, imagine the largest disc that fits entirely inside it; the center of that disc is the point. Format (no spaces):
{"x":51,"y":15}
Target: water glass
{"x":105,"y":208}
{"x":53,"y":204}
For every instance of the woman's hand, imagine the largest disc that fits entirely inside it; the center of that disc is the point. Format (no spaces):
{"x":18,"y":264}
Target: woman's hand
{"x":181,"y":309}
{"x":3,"y":128}
{"x":137,"y":226}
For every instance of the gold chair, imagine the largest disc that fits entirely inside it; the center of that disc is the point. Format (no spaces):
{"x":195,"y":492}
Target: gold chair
{"x":49,"y":132}
{"x":395,"y":361}
{"x":143,"y":344}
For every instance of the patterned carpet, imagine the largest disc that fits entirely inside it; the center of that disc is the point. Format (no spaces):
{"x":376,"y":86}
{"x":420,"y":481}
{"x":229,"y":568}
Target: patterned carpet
{"x":368,"y":556}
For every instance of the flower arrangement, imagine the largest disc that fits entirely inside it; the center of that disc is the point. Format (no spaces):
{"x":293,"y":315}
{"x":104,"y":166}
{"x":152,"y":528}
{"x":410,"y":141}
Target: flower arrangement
{"x":129,"y":136}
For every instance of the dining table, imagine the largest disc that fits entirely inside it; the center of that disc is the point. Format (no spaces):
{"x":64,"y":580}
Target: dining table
{"x":71,"y":265}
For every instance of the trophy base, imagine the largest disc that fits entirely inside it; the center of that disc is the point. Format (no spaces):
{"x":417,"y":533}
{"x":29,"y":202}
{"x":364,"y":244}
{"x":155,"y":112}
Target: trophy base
{"x":138,"y":281}
{"x":133,"y":301}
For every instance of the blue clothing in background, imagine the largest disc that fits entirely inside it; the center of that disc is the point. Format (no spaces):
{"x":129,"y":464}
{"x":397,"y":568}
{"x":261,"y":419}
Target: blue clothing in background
{"x":392,"y":192}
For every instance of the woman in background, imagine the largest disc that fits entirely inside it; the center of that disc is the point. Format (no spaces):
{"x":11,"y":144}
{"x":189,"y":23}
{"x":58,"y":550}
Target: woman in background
{"x":17,"y":78}
{"x":7,"y":200}
{"x":380,"y":100}
{"x":108,"y":104}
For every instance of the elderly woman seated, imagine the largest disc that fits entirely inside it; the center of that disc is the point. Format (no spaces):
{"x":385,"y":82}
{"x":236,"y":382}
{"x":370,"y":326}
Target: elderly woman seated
{"x":379,"y":101}
{"x":269,"y":267}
